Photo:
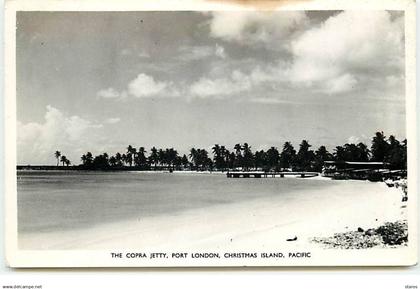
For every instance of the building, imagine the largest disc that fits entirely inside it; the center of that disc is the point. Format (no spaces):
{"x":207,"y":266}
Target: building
{"x":355,"y":170}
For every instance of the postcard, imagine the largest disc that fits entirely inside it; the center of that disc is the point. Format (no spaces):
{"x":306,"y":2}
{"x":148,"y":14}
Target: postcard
{"x":206,"y":133}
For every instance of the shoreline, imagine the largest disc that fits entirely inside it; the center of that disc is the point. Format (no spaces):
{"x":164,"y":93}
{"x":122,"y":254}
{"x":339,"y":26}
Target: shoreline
{"x":189,"y":172}
{"x":263,"y":223}
{"x":128,"y":169}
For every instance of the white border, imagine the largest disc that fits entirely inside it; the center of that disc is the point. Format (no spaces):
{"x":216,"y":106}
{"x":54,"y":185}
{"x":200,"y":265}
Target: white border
{"x":22,"y":258}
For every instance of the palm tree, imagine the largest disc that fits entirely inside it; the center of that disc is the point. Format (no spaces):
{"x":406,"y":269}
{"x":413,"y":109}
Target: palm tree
{"x":305,"y":157}
{"x":356,"y":153}
{"x":203,"y":160}
{"x":351,"y":152}
{"x":223,"y":154}
{"x":321,"y":155}
{"x":101,"y":162}
{"x":208,"y":163}
{"x":379,"y":147}
{"x":162,"y":157}
{"x":288,"y":155}
{"x":67,"y":162}
{"x":167,"y":157}
{"x":273,"y":158}
{"x":260,"y":159}
{"x":364,"y":152}
{"x":218,"y":157}
{"x":200,"y":159}
{"x":154,"y":158}
{"x":194,"y":157}
{"x":118,"y":160}
{"x":170,"y":156}
{"x":57,"y":155}
{"x":178,"y":162}
{"x":124,"y":159}
{"x":113,"y":161}
{"x":87,"y":159}
{"x":238,"y":148}
{"x":140,"y":159}
{"x":184,"y":161}
{"x":396,"y":153}
{"x":131,"y":153}
{"x":339,"y":154}
{"x":238,"y":157}
{"x":230,"y":159}
{"x":63,"y":159}
{"x":248,"y":157}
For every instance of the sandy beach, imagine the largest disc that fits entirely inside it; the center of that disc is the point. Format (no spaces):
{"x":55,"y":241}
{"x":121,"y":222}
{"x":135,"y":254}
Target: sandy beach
{"x":264,"y":223}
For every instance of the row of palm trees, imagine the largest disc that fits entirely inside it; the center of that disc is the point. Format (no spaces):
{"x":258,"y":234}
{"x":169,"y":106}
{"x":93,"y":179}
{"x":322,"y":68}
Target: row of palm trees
{"x":61,"y":158}
{"x":241,"y":157}
{"x":134,"y":158}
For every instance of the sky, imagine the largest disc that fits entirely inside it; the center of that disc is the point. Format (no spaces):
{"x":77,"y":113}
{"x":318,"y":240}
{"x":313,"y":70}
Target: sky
{"x":99,"y":81}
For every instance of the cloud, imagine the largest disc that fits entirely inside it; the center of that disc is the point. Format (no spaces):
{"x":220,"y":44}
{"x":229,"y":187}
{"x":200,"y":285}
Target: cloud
{"x":130,"y":52}
{"x":113,"y":120}
{"x":192,"y":53}
{"x":237,"y":81}
{"x":325,"y":58}
{"x":142,"y":86}
{"x":188,"y":53}
{"x":108,"y":93}
{"x":220,"y":51}
{"x":251,"y":27}
{"x":353,"y":140}
{"x":328,"y":58}
{"x":341,"y":84}
{"x":38,"y":141}
{"x":218,"y":87}
{"x":362,"y":138}
{"x":145,"y":86}
{"x":363,"y":43}
{"x":268,"y":100}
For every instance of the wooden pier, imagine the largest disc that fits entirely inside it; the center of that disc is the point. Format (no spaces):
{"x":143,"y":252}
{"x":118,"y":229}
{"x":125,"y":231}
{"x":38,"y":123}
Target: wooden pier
{"x":270,"y":174}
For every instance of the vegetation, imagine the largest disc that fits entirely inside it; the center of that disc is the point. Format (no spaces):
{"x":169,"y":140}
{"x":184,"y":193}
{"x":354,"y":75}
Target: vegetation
{"x":57,"y":155}
{"x":241,"y":157}
{"x":61,"y":159}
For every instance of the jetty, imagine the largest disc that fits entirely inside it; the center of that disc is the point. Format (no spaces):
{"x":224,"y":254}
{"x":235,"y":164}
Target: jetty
{"x":270,"y":174}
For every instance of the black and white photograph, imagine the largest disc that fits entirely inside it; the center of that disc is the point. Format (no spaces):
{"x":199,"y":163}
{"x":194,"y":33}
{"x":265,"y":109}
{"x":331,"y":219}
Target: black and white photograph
{"x":235,"y":137}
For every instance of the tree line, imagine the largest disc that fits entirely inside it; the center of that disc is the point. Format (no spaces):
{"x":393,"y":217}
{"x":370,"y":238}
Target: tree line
{"x":242,"y":157}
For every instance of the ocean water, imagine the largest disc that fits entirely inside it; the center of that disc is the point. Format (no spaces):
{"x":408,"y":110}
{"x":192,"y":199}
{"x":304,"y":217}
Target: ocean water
{"x":50,"y":201}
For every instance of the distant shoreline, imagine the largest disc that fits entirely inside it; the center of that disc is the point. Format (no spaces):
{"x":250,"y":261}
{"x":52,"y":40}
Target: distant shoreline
{"x":123,"y":169}
{"x":205,"y":172}
{"x":114,"y":169}
{"x":276,"y":174}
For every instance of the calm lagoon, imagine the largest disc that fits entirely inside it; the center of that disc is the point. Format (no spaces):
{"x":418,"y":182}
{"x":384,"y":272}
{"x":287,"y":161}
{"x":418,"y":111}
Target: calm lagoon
{"x":51,"y":201}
